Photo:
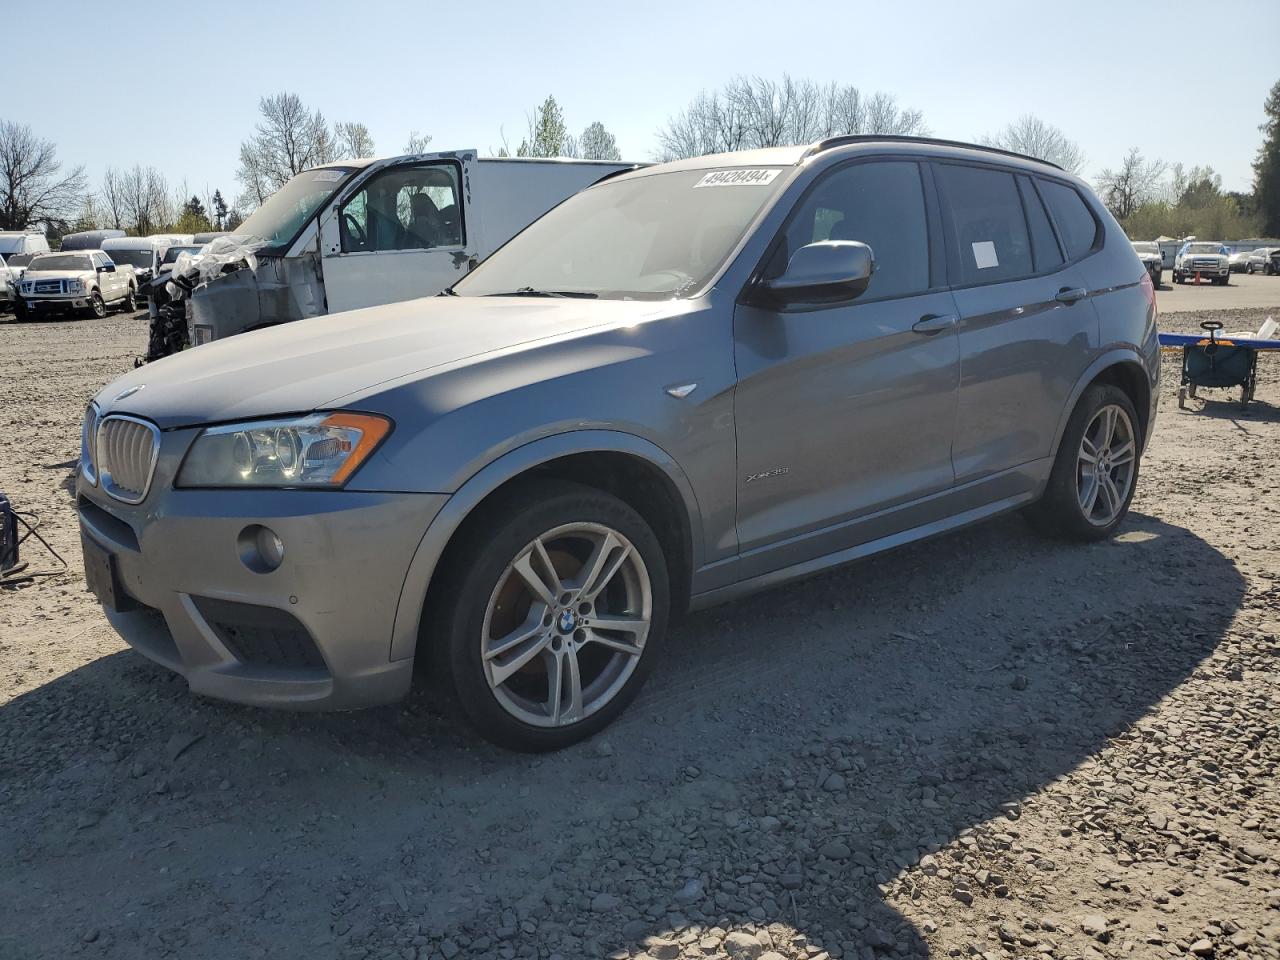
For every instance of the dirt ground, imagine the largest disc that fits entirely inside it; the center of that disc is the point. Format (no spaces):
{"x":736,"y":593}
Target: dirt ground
{"x":987,"y":745}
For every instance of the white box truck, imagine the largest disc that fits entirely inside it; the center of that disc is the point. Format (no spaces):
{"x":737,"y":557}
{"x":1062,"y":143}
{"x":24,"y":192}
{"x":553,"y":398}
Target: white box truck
{"x":359,"y":233}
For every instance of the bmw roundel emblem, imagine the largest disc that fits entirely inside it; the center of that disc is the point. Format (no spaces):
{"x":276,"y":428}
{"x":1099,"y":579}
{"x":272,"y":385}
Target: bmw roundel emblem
{"x":128,"y":393}
{"x":566,"y":621}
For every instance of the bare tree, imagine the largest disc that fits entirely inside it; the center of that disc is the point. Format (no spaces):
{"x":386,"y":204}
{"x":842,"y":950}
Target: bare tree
{"x":1137,"y":181}
{"x":1032,"y":136}
{"x":287,"y":140}
{"x":352,"y":140}
{"x":751,"y":112}
{"x":417,"y":143}
{"x":596,"y":143}
{"x":142,"y":203}
{"x":112,"y":195}
{"x":33,"y":189}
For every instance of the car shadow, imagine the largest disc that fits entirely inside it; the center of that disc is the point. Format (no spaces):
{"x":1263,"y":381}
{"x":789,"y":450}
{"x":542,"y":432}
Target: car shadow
{"x":1225,"y":405}
{"x":794,"y":752}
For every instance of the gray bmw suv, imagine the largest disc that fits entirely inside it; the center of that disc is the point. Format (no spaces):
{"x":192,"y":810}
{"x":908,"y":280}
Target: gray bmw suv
{"x":685,"y":383}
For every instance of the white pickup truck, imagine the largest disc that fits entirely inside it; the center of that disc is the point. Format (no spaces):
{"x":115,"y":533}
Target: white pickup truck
{"x":1207,"y":260}
{"x":86,"y":281}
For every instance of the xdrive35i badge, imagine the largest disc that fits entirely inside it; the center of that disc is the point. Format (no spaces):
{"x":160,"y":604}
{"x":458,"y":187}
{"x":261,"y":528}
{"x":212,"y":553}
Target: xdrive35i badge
{"x":775,"y":472}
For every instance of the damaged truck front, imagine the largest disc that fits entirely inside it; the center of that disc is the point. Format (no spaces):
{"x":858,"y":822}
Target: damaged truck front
{"x":361,"y":233}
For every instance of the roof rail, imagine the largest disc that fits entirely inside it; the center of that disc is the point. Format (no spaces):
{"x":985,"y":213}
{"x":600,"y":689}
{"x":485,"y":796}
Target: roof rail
{"x":841,"y":141}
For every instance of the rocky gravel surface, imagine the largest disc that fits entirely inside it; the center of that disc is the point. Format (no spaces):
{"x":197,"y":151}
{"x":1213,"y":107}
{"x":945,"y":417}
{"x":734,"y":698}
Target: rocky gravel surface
{"x":984,"y":746}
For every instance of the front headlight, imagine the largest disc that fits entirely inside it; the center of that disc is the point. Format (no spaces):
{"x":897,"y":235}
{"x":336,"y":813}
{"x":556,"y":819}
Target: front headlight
{"x":75,"y":286}
{"x":26,"y":286}
{"x":318,"y":450}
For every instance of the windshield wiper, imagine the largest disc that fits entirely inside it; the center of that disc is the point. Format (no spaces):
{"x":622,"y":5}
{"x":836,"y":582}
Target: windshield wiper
{"x":531,"y":292}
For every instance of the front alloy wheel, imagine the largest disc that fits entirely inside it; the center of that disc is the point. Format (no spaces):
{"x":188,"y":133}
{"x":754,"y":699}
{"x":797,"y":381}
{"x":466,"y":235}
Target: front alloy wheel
{"x":548,"y":615}
{"x":566,"y":625}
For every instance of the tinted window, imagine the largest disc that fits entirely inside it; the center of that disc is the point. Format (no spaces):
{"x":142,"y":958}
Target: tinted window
{"x":1044,"y":247}
{"x":1075,"y":222}
{"x":987,"y":226}
{"x":879,"y":204}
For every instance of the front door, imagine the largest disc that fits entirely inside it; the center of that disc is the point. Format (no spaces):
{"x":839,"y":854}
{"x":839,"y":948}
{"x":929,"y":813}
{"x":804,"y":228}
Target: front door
{"x":846,"y":411}
{"x":403,"y":233}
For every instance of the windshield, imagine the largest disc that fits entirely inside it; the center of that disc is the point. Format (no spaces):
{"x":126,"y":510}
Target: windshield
{"x":279,"y":219}
{"x":134,"y":258}
{"x":651,"y":237}
{"x":61,"y":261}
{"x":1146,"y":247}
{"x":18,"y":259}
{"x":1204,"y":248}
{"x":171,"y":255}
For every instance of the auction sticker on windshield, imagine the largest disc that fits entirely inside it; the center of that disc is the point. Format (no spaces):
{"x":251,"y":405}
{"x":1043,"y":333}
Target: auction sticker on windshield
{"x":737,"y":178}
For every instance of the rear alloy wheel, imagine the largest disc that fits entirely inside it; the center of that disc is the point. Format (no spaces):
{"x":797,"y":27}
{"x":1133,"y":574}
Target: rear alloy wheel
{"x":97,"y":306}
{"x":130,"y":301}
{"x":1096,"y":470}
{"x":556,"y":617}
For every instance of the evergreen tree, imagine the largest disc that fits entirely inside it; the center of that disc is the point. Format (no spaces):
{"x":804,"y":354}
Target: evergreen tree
{"x":1266,"y":169}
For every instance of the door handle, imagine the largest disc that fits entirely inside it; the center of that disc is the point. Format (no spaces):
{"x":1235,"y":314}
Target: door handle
{"x":1071,"y":294}
{"x":934,"y":323}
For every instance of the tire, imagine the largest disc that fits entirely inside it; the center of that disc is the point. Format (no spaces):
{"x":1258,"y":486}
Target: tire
{"x":130,"y":302}
{"x":482,"y":600}
{"x":1249,"y":269}
{"x":1061,"y":510}
{"x":97,"y":306}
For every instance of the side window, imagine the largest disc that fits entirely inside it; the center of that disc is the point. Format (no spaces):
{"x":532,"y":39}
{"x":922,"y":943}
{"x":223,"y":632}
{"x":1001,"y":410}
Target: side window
{"x":880,"y":204}
{"x":98,"y":260}
{"x":1076,"y":224}
{"x":1044,"y":246}
{"x":987,"y":228}
{"x":404,"y":208}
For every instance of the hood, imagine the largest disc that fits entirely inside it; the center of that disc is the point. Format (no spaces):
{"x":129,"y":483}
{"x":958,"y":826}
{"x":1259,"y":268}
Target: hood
{"x":311,"y":364}
{"x":1204,"y":256}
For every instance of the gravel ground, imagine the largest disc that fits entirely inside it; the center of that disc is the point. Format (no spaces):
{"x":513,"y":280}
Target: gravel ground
{"x":988,"y":745}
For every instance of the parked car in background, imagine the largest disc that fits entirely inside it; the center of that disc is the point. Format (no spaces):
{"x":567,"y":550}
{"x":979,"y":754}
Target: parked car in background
{"x":154,"y":290}
{"x":88,"y":239}
{"x":1260,"y":260}
{"x":1238,"y":261}
{"x":22,"y":241}
{"x":643,"y":402}
{"x":1204,"y":258}
{"x":8,"y":285}
{"x":144,"y":254}
{"x":85,"y":281}
{"x":209,"y":235}
{"x":359,"y":233}
{"x":1148,"y":252}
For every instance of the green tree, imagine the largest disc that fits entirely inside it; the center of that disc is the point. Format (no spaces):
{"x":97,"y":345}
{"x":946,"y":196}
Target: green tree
{"x":547,"y":135}
{"x":219,"y":211}
{"x":1266,"y":169}
{"x":596,"y":143}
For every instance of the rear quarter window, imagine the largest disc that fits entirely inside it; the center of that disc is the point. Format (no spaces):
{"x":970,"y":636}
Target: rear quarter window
{"x":1076,"y":225}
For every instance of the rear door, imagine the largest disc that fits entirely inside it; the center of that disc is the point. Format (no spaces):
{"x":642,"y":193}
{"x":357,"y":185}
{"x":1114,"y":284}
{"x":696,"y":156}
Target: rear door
{"x":403,"y":232}
{"x":846,"y":411}
{"x":1027,"y":327}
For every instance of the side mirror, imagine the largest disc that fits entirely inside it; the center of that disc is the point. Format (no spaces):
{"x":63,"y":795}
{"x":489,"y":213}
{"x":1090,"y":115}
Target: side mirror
{"x":829,"y":271}
{"x":107,"y":268}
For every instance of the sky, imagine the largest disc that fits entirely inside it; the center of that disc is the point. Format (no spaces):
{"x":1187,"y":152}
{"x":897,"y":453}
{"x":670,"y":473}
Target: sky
{"x":183,"y":92}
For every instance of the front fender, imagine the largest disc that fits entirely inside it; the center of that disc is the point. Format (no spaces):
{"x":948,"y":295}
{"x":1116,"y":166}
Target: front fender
{"x":404,"y":635}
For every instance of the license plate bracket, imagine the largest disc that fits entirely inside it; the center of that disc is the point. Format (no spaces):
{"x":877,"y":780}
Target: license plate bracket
{"x":103,"y":579}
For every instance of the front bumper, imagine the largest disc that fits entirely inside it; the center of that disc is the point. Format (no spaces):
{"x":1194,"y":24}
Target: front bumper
{"x":38,"y":304}
{"x":1190,"y":270}
{"x":313,"y":634}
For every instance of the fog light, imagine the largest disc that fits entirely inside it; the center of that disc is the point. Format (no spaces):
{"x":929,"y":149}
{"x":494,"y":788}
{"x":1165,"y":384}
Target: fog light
{"x":261,"y":549}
